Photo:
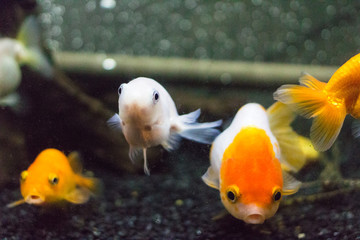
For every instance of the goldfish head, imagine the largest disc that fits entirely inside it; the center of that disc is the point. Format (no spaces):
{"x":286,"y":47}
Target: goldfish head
{"x":251,"y":177}
{"x":46,"y":180}
{"x":139,"y":101}
{"x":251,"y":207}
{"x":38,"y":192}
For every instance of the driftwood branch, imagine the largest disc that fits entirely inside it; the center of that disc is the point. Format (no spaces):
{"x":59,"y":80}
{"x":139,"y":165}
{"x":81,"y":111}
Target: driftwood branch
{"x":236,"y":73}
{"x":340,"y":188}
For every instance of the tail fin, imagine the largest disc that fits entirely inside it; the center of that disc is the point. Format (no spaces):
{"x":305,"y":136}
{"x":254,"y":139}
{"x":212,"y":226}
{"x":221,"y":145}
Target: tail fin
{"x":199,"y":132}
{"x":12,"y":100}
{"x":38,"y":62}
{"x":308,"y":149}
{"x":29,"y":36}
{"x":312,"y":101}
{"x":94,"y":185}
{"x":280,"y":118}
{"x":356,"y":128}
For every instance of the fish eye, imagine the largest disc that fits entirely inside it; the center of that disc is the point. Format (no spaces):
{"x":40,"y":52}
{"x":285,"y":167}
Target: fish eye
{"x":120,"y":89}
{"x":232,"y":194}
{"x":23,"y":175}
{"x":53,"y":179}
{"x":277,"y":195}
{"x":156,"y":96}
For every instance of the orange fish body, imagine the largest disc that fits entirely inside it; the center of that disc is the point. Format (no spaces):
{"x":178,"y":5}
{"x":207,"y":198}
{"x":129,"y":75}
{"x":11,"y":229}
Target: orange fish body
{"x":51,"y":178}
{"x":247,"y":160}
{"x":328,"y":103}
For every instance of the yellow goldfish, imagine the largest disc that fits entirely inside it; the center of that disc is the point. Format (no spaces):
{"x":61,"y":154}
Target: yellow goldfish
{"x":247,"y":162}
{"x":328,"y":103}
{"x":24,"y":50}
{"x":53,"y":177}
{"x":148,"y":117}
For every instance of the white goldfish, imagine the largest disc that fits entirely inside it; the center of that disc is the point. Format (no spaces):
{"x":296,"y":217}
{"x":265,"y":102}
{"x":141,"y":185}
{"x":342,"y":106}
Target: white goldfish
{"x":148,"y":117}
{"x":14,"y":53}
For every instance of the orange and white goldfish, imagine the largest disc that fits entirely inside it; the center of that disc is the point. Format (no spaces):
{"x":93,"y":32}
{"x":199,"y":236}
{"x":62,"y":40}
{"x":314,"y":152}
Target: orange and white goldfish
{"x":25,"y":50}
{"x":148,"y":117}
{"x":53,"y":177}
{"x":248,"y":162}
{"x":328,"y":103}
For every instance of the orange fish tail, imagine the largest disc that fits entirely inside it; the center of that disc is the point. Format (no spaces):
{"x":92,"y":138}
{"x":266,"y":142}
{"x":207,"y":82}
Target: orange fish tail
{"x":94,"y":185}
{"x":311,"y":100}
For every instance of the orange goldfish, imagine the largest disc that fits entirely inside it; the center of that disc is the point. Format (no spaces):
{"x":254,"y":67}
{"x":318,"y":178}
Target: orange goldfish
{"x":53,"y":177}
{"x":328,"y":103}
{"x":249,"y":158}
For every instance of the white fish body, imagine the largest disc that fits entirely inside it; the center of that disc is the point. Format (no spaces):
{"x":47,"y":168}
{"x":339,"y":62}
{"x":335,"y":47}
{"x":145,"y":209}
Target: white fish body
{"x":14,"y":53}
{"x":10,"y":74}
{"x":148,"y":117}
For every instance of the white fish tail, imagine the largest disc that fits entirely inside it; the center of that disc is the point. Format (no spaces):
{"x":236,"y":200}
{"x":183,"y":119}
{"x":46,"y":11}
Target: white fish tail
{"x":199,"y":132}
{"x":29,"y":36}
{"x":38,"y":62}
{"x":190,"y":117}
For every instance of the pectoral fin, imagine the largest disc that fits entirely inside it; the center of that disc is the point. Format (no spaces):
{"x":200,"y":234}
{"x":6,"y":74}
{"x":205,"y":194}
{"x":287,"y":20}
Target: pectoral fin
{"x":78,"y":196}
{"x":291,"y":185}
{"x":16,"y":203}
{"x":173,"y":142}
{"x":134,"y":153}
{"x":211,"y":178}
{"x":114,"y":122}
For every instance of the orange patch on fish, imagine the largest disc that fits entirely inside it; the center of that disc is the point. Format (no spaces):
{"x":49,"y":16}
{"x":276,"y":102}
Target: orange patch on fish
{"x":249,"y":163}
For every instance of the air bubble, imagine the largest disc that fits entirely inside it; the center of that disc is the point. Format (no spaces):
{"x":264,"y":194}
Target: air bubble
{"x":108,"y":4}
{"x":109,"y":64}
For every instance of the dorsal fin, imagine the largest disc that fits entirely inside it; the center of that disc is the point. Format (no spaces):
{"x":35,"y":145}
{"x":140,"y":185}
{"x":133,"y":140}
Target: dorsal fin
{"x":75,"y":162}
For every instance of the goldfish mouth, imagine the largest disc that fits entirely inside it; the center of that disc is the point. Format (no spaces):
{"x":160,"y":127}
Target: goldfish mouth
{"x":255,"y":219}
{"x":34,"y":199}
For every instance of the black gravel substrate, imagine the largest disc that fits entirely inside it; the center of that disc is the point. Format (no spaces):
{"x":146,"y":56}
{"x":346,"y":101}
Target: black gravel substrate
{"x":173,"y":203}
